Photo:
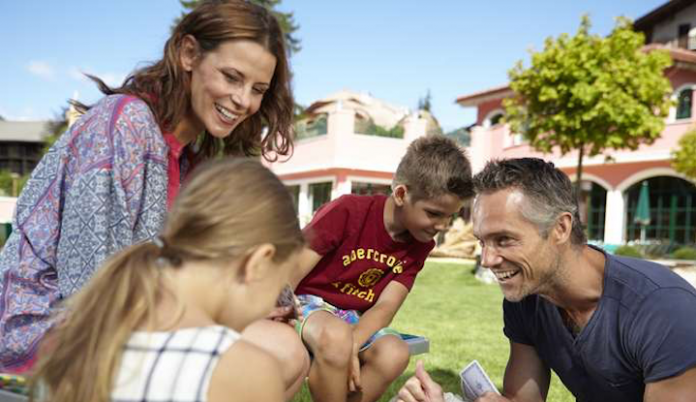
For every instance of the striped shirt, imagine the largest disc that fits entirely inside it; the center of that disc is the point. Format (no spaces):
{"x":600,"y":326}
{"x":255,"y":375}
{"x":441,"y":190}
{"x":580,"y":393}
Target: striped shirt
{"x":171,"y":366}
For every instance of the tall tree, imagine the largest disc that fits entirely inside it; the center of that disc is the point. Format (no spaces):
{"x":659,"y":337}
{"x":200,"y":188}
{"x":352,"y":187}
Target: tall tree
{"x":285,"y":19}
{"x":590,"y":93}
{"x":425,"y":103}
{"x":683,"y":160}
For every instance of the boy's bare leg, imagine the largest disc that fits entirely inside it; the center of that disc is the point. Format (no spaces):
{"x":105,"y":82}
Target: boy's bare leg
{"x":331,"y":341}
{"x":283,"y":342}
{"x":383,"y":362}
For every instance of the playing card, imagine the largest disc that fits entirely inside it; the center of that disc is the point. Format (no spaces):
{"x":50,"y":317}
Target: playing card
{"x":449,"y":397}
{"x":475,"y":382}
{"x":467,"y":393}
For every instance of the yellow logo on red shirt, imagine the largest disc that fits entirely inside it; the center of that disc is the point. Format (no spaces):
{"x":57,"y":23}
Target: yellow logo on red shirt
{"x":370,"y":277}
{"x":349,"y":289}
{"x":392,"y":262}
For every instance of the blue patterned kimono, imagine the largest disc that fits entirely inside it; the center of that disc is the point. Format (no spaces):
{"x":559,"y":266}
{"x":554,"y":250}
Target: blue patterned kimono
{"x":101,"y":187}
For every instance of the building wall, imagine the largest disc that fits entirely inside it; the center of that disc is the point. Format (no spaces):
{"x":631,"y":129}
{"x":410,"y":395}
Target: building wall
{"x":496,"y":142}
{"x":666,"y":31}
{"x":486,"y":108}
{"x":680,"y":77}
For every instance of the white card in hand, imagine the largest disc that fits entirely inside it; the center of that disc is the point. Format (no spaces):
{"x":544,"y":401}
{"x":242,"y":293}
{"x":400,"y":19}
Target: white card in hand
{"x":475,"y":382}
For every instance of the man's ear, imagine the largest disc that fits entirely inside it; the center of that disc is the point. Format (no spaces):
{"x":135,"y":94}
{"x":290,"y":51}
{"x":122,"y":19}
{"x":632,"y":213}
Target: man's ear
{"x":400,"y":193}
{"x":188,"y":53}
{"x":258,"y":263}
{"x":563,"y":228}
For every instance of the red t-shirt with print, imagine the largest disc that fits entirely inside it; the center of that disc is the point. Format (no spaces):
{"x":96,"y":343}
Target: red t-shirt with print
{"x":359,"y":258}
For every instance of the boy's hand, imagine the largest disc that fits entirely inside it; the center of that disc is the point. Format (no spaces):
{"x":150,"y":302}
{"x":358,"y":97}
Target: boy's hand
{"x":287,"y":308}
{"x":421,"y":388}
{"x":283,"y":314}
{"x":354,"y":371}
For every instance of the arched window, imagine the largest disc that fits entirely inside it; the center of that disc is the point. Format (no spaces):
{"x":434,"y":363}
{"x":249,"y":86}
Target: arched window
{"x":496,"y":119}
{"x":672,"y":209}
{"x":493,"y":118}
{"x":684,"y":100}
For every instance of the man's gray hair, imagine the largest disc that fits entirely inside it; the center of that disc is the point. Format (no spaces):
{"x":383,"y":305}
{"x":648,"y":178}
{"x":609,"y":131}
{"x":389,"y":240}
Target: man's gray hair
{"x":547,"y":189}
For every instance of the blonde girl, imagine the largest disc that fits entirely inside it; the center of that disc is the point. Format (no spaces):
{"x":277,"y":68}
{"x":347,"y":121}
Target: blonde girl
{"x":161,"y":320}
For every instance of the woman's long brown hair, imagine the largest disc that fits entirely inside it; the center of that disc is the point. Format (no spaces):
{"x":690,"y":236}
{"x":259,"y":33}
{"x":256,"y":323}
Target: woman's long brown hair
{"x":228,"y":208}
{"x":165,"y":85}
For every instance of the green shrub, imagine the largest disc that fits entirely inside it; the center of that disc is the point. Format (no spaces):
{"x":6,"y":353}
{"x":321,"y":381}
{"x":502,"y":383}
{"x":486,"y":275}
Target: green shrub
{"x":684,"y":253}
{"x":628,"y":251}
{"x":310,"y":128}
{"x":659,"y":250}
{"x":369,"y":127}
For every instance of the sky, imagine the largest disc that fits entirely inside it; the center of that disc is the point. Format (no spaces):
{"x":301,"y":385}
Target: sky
{"x":395,"y":50}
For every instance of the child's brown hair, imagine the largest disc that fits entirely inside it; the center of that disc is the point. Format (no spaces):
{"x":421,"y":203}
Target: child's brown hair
{"x":433,"y":166}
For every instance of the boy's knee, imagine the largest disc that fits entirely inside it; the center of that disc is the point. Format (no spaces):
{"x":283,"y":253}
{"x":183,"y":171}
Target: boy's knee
{"x":390,"y":355}
{"x":332,"y":343}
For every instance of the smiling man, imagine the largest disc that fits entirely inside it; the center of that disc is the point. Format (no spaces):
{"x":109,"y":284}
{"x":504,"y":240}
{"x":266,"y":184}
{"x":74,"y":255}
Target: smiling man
{"x":613,"y":328}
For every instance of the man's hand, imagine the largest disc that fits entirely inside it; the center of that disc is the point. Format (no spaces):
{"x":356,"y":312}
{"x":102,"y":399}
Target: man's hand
{"x":354,"y":372}
{"x":420,"y":388}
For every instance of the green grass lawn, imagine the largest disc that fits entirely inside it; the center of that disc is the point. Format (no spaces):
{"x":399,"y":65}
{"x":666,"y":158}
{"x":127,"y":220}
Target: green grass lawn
{"x":463,"y":320}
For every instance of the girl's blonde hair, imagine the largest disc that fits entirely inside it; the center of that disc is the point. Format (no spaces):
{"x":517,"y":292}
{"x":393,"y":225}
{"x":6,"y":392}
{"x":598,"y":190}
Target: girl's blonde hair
{"x":228,"y":208}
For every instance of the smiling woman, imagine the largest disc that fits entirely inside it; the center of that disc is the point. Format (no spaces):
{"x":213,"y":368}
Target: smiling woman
{"x":227,"y":86}
{"x":108,"y":182}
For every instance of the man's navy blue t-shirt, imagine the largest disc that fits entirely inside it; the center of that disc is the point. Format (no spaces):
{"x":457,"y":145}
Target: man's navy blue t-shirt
{"x":643,"y":330}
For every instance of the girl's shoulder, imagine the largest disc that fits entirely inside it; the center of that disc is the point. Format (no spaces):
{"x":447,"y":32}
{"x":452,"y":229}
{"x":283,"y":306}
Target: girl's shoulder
{"x":212,"y":339}
{"x":248,"y":372}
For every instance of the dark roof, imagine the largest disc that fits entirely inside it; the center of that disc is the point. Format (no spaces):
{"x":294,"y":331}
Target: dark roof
{"x":477,"y":98}
{"x":661,"y":13}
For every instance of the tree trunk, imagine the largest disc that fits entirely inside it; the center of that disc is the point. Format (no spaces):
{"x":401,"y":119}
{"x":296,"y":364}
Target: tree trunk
{"x":582,"y":202}
{"x":578,"y":172}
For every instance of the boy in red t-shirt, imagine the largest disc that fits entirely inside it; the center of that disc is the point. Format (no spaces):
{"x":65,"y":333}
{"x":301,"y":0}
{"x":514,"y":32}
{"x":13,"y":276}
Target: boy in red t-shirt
{"x":363,"y":257}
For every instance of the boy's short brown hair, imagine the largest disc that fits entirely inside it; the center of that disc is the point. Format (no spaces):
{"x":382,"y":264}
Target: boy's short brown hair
{"x":433,"y":166}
